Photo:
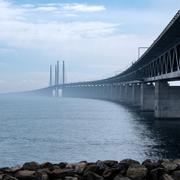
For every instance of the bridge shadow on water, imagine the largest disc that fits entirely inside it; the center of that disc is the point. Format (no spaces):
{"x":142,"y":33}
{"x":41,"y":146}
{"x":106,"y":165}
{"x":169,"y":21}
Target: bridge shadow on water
{"x":164,"y":132}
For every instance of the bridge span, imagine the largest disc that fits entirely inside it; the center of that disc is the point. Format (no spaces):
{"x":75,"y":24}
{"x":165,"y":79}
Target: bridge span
{"x":144,"y":83}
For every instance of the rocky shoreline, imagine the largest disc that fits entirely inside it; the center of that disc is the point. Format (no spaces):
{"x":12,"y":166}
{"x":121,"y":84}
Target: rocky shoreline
{"x":126,"y":169}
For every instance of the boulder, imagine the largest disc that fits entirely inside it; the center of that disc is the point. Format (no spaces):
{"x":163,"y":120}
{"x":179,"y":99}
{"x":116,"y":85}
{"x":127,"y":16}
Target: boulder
{"x":70,"y":178}
{"x":13,"y":169}
{"x":92,"y":176}
{"x":62,"y":165}
{"x":42,"y":175}
{"x":101,"y":165}
{"x":167,"y":177}
{"x":129,"y":162}
{"x":47,"y":165}
{"x":61,"y":173}
{"x":150,"y":164}
{"x":176,"y":175}
{"x":137,"y":172}
{"x":45,"y":170}
{"x":93,"y":168}
{"x":4,"y":170}
{"x":110,"y":163}
{"x":121,"y":178}
{"x":110,"y":173}
{"x":156,"y":173}
{"x":169,"y":166}
{"x":122,"y":166}
{"x":177,"y":161}
{"x":80,"y":167}
{"x":32,"y":166}
{"x":26,"y":174}
{"x":7,"y":177}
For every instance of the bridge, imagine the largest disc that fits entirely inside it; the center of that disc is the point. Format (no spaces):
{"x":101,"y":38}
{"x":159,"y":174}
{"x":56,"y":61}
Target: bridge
{"x":144,"y":84}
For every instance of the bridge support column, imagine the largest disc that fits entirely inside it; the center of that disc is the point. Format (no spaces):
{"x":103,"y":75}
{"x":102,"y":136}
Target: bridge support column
{"x":147,"y":97}
{"x":167,"y":100}
{"x":122,"y":93}
{"x":56,"y":92}
{"x":114,"y":92}
{"x":109,"y":92}
{"x":106,"y":92}
{"x":65,"y":92}
{"x":136,"y":94}
{"x":128,"y":94}
{"x":118,"y":91}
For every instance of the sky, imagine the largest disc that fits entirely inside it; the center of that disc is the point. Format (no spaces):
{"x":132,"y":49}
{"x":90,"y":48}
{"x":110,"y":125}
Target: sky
{"x":95,"y":38}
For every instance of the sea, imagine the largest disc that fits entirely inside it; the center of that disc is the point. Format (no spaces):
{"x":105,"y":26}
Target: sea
{"x":42,"y":129}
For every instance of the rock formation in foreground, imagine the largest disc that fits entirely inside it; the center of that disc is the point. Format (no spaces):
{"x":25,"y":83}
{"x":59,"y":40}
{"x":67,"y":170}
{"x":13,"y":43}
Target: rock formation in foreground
{"x":127,"y":169}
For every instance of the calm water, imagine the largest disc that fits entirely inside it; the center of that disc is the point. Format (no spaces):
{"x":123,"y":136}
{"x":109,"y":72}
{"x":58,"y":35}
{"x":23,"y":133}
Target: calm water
{"x":60,"y":129}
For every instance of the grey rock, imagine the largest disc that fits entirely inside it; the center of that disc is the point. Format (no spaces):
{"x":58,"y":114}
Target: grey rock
{"x":42,"y":176}
{"x":92,"y":176}
{"x":47,"y":165}
{"x":110,"y":163}
{"x":61,"y":173}
{"x":121,"y":178}
{"x":32,"y":166}
{"x":177,"y":161}
{"x":169,"y":166}
{"x":167,"y":177}
{"x":129,"y":162}
{"x":110,"y":173}
{"x":156,"y":173}
{"x":150,"y":164}
{"x":137,"y":172}
{"x":176,"y":175}
{"x":25,"y":175}
{"x":62,"y":165}
{"x":7,"y":177}
{"x":70,"y":178}
{"x":80,"y":167}
{"x":93,"y":168}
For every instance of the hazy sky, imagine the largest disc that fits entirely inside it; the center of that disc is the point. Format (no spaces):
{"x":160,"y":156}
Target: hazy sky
{"x":96,"y":38}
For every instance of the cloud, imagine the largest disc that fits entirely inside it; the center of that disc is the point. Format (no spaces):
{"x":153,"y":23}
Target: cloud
{"x":6,"y":50}
{"x":92,"y":44}
{"x":46,"y":8}
{"x":64,"y":8}
{"x":18,"y":31}
{"x":84,"y":7}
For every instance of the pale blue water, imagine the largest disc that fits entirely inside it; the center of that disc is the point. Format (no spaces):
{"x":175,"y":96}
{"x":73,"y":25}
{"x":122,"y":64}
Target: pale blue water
{"x":64,"y":129}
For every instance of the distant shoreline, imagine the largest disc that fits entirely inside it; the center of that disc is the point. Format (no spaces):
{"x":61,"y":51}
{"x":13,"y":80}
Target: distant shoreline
{"x":126,"y":169}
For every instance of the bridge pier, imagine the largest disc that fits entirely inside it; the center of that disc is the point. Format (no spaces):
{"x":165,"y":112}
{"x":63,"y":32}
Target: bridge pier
{"x":109,"y":92}
{"x":167,"y":100}
{"x":128,"y":94}
{"x":136,"y":94}
{"x":122,"y":93}
{"x":147,"y":97}
{"x":114,"y":91}
{"x":118,"y":92}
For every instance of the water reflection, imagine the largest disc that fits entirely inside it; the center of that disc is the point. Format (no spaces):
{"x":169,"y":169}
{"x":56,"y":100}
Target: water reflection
{"x":51,"y":129}
{"x":164,"y":133}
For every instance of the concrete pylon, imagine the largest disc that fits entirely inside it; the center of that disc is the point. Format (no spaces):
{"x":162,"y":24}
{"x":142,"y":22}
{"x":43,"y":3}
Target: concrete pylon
{"x":147,"y":97}
{"x":136,"y":94}
{"x":56,"y":82}
{"x":50,"y":75}
{"x":167,"y":100}
{"x":57,"y":73}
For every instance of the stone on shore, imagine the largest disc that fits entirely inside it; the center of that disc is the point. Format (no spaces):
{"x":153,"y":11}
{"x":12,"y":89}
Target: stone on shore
{"x":137,"y":172}
{"x":26,"y":174}
{"x":31,"y":166}
{"x":127,"y":169}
